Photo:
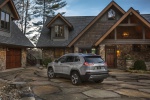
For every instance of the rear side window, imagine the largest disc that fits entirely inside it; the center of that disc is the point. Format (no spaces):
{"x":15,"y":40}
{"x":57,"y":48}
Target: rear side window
{"x":69,"y":59}
{"x":93,"y":59}
{"x":76,"y":59}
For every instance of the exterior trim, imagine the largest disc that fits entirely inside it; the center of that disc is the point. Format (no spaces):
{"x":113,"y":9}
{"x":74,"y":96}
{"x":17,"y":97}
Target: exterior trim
{"x":57,"y":16}
{"x":14,"y":10}
{"x":131,"y":10}
{"x":95,"y":19}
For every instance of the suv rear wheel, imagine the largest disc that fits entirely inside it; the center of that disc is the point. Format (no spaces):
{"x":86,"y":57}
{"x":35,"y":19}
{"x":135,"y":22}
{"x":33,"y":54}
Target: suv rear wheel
{"x":50,"y":73}
{"x":75,"y":78}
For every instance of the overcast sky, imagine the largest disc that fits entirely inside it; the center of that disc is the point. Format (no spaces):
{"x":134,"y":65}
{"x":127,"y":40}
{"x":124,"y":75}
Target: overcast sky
{"x":94,"y":7}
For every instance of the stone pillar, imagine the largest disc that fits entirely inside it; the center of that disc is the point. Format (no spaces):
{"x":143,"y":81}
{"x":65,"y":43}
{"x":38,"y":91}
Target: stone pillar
{"x":24,"y":57}
{"x":76,"y":50}
{"x":2,"y":58}
{"x":102,"y":51}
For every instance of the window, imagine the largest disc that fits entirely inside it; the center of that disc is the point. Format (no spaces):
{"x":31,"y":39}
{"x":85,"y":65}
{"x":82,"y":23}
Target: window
{"x":69,"y":59}
{"x":59,"y":31}
{"x":111,"y":14}
{"x":76,"y":59}
{"x":62,"y":59}
{"x":5,"y":20}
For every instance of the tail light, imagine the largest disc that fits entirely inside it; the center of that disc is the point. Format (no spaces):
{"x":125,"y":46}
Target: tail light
{"x":105,"y":64}
{"x":88,"y":64}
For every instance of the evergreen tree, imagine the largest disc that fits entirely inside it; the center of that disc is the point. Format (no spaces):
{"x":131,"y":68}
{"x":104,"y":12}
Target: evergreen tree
{"x":45,"y":8}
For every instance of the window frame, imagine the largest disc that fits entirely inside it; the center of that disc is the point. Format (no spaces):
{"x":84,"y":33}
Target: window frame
{"x":6,"y":24}
{"x":112,"y":16}
{"x":60,"y":32}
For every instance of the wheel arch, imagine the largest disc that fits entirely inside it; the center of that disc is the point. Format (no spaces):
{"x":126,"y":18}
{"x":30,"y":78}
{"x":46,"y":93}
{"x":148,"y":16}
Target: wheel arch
{"x":74,"y":70}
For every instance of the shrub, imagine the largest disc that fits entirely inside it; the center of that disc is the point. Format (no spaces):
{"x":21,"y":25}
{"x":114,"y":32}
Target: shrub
{"x":46,"y":61}
{"x":139,"y":65}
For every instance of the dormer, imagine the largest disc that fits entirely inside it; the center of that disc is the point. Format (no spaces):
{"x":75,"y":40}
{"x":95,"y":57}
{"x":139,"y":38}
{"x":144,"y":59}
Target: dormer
{"x":59,"y":28}
{"x":8,"y":13}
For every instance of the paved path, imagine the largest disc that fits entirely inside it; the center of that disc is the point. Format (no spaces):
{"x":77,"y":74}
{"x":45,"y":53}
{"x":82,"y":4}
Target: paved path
{"x":32,"y":84}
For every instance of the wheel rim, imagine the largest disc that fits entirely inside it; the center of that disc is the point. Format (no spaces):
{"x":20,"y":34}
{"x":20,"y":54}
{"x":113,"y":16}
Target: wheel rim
{"x":74,"y":78}
{"x":50,"y":73}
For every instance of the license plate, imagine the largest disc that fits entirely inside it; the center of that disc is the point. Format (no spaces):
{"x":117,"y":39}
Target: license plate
{"x":100,"y":67}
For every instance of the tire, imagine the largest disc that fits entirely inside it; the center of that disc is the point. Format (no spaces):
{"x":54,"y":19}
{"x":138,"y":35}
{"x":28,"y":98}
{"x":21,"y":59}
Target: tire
{"x":50,"y":73}
{"x":99,"y":81}
{"x":75,"y":78}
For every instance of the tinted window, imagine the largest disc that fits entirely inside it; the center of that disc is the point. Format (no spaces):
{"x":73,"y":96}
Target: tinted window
{"x":76,"y":59}
{"x":69,"y":59}
{"x":93,"y":59}
{"x":62,"y":59}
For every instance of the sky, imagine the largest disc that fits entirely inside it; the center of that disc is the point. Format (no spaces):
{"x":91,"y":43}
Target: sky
{"x":94,"y":7}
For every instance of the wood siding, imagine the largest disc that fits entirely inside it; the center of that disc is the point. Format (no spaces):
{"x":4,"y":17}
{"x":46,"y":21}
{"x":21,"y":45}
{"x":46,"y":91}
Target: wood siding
{"x":98,"y":29}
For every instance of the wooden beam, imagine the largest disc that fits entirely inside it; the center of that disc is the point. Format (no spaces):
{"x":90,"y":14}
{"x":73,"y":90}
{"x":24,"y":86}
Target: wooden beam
{"x":129,"y":25}
{"x":4,"y":3}
{"x":143,"y":32}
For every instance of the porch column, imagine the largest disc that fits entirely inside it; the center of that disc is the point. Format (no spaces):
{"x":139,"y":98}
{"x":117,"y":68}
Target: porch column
{"x":76,"y":49}
{"x":143,"y":33}
{"x":102,"y":51}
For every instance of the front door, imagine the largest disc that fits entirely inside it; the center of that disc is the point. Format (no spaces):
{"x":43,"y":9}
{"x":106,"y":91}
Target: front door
{"x":111,"y":56}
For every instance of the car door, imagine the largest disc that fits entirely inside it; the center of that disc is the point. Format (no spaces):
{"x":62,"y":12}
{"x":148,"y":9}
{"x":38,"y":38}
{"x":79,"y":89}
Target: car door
{"x":59,"y":64}
{"x":68,"y":65}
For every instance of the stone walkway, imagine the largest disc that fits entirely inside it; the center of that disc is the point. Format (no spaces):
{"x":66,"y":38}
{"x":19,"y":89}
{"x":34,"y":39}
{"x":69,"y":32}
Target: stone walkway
{"x":32,"y":84}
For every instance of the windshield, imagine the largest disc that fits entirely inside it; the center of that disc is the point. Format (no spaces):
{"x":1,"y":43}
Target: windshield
{"x":93,"y":59}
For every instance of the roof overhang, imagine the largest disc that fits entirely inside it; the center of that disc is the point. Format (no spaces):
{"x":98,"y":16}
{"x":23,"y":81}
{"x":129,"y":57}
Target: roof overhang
{"x":131,"y":10}
{"x":12,"y":8}
{"x":112,"y":3}
{"x":61,"y":17}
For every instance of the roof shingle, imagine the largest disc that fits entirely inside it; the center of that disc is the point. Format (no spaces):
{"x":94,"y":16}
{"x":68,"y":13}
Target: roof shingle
{"x":17,"y":38}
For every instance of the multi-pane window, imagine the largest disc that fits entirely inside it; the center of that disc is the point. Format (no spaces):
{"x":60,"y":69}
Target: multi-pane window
{"x":111,"y":14}
{"x":5,"y":21}
{"x":59,"y":31}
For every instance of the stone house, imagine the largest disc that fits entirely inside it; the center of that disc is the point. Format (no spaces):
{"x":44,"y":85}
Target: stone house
{"x":13,"y":42}
{"x":113,"y":34}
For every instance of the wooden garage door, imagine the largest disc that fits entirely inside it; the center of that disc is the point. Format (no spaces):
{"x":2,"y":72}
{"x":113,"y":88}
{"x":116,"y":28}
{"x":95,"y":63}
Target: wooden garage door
{"x":13,"y":58}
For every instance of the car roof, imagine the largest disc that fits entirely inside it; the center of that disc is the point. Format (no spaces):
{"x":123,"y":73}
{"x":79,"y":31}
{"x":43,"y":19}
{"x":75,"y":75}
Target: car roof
{"x":81,"y":54}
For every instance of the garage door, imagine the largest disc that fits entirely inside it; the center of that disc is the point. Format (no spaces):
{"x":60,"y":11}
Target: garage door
{"x":13,"y":58}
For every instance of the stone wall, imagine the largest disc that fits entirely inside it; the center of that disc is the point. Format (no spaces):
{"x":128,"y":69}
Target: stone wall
{"x":2,"y":58}
{"x":48,"y":53}
{"x":102,"y":51}
{"x":144,"y":54}
{"x":23,"y":58}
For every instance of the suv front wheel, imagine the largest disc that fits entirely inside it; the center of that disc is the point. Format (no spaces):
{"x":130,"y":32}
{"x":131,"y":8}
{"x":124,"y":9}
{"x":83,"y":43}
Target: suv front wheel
{"x":75,"y":78}
{"x":50,"y":73}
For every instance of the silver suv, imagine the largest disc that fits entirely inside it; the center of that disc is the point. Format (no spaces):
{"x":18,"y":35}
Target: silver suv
{"x":79,"y":67}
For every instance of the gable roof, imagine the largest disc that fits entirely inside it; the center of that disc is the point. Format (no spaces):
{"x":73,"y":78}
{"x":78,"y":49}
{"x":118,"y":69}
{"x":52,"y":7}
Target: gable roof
{"x":17,"y":38}
{"x":131,"y":10}
{"x":12,"y":6}
{"x":78,"y":25}
{"x":112,"y":3}
{"x":59,"y":16}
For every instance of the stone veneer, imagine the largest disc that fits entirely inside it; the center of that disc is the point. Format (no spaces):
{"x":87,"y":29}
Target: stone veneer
{"x":47,"y":53}
{"x":23,"y":57}
{"x":144,"y":54}
{"x":2,"y":58}
{"x":125,"y":49}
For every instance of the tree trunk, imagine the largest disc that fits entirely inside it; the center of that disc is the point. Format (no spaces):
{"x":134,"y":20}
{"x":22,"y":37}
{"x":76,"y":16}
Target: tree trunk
{"x":43,"y":12}
{"x":26,"y":16}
